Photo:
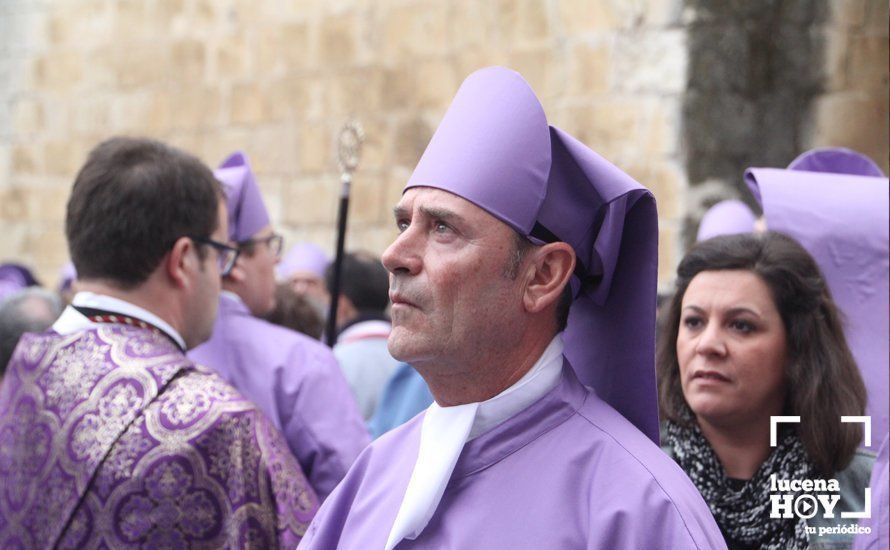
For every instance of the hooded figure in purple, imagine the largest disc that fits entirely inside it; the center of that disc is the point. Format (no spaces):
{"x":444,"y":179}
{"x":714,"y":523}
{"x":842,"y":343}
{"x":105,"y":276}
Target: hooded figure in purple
{"x":834,"y":203}
{"x":292,"y":378}
{"x":507,"y":227}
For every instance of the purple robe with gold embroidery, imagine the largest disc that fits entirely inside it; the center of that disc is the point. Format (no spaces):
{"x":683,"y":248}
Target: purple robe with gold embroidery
{"x":111,"y":437}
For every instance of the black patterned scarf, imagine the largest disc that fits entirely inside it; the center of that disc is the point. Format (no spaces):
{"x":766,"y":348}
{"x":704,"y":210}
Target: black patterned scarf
{"x":743,"y":514}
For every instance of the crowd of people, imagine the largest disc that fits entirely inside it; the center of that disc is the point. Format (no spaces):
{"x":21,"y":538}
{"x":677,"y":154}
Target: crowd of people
{"x":499,"y":377}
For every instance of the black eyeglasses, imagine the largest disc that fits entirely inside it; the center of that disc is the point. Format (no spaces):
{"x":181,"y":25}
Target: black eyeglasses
{"x":225,"y":255}
{"x":275,"y":242}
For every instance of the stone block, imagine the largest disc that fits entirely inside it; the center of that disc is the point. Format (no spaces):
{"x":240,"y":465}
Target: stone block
{"x":47,"y":204}
{"x":273,"y":149}
{"x":670,"y":253}
{"x":232,"y":59}
{"x":525,"y":22}
{"x":589,"y":67}
{"x":437,"y":81}
{"x":412,"y":134}
{"x":377,"y":147}
{"x":188,"y":59}
{"x":299,"y":48}
{"x":878,"y":12}
{"x":847,"y":14}
{"x":63,"y":158}
{"x":141,"y":66}
{"x":315,"y":147}
{"x":338,"y":38}
{"x":366,"y":199}
{"x":27,"y":159}
{"x":543,"y":70}
{"x":856,"y":120}
{"x":27,"y":115}
{"x":411,"y":30}
{"x":249,"y":104}
{"x":869,"y":62}
{"x":470,"y":23}
{"x":355,"y":91}
{"x":196,"y":108}
{"x":581,"y":16}
{"x":399,"y":84}
{"x":652,"y":62}
{"x":13,"y":205}
{"x":311,"y":201}
{"x":58,"y":70}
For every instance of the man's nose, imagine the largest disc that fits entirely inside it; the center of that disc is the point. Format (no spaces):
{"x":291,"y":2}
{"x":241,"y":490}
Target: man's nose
{"x":402,"y":257}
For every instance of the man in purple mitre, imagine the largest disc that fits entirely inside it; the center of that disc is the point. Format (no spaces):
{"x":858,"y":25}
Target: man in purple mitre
{"x":834,"y":203}
{"x":304,"y":269}
{"x":524,"y":272}
{"x":292,"y":378}
{"x":110,"y":437}
{"x":729,"y":217}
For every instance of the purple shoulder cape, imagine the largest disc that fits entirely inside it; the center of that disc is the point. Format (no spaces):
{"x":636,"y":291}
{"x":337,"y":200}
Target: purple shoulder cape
{"x":110,"y":437}
{"x":567,"y":472}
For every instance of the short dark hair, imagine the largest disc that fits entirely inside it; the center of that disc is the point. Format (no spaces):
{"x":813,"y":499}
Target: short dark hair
{"x":823,"y":380}
{"x":130,"y":202}
{"x":521,"y":247}
{"x":22,"y":312}
{"x":295,"y":312}
{"x":363,"y":280}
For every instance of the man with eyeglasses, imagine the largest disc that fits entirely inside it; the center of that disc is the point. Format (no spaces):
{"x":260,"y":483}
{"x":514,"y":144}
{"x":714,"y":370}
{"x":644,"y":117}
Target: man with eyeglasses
{"x":109,"y":435}
{"x":292,"y":378}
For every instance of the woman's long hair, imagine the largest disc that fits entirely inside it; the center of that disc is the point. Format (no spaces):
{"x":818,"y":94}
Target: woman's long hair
{"x":823,"y":380}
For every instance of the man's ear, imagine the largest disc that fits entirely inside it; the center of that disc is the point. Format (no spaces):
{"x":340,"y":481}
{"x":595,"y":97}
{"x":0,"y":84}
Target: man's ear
{"x":238,"y":274}
{"x":180,"y":261}
{"x":550,"y":269}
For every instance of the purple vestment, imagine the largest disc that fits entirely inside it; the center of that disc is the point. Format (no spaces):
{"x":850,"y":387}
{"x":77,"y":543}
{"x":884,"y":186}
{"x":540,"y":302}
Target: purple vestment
{"x":296,"y":382}
{"x":843,"y":220}
{"x":110,"y":437}
{"x":567,"y":472}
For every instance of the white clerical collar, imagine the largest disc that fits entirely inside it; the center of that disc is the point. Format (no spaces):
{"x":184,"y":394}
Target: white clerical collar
{"x":445,"y":431}
{"x":72,"y":320}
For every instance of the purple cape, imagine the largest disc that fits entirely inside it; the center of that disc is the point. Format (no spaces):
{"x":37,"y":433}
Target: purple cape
{"x":843,"y":221}
{"x":110,"y":437}
{"x":567,"y":472}
{"x":296,"y":382}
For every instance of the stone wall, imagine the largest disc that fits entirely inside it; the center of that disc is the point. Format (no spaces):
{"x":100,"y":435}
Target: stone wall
{"x":277,"y":78}
{"x":769,"y":79}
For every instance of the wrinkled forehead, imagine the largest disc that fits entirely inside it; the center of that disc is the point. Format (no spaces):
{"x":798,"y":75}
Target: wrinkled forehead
{"x":431,"y":200}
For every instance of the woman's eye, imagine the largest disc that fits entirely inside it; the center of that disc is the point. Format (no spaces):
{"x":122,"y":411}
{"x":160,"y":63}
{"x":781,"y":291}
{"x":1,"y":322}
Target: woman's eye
{"x":692,"y":322}
{"x":742,"y":326}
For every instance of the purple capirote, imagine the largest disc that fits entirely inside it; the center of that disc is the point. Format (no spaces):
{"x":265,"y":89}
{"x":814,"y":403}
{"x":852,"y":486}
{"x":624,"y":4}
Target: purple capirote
{"x":247,"y":211}
{"x":836,"y":160}
{"x":843,"y":220}
{"x":729,"y":217}
{"x":306,"y":257}
{"x":495,"y":149}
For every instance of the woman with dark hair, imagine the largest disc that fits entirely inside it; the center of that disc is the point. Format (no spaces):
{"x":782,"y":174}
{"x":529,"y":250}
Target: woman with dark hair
{"x":750,"y":333}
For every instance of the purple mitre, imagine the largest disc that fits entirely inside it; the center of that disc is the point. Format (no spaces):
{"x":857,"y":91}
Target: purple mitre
{"x":729,"y":217}
{"x":495,"y":148}
{"x":836,"y":160}
{"x":303,"y":256}
{"x":843,"y":220}
{"x":13,"y":278}
{"x":247,"y":212}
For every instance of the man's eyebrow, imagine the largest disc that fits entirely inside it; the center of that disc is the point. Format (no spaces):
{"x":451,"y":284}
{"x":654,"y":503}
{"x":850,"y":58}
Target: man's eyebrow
{"x":400,"y":212}
{"x":441,"y":214}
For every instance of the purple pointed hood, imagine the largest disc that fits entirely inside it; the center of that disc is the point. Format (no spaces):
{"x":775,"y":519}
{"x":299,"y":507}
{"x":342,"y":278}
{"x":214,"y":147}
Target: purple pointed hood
{"x":303,"y":257}
{"x":726,"y":218}
{"x":247,"y":212}
{"x":836,"y":160}
{"x":495,"y":148}
{"x":843,"y":220}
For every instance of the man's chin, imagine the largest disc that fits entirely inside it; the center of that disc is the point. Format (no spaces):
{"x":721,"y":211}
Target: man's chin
{"x":402,"y":344}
